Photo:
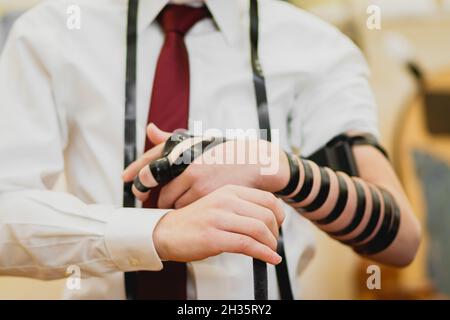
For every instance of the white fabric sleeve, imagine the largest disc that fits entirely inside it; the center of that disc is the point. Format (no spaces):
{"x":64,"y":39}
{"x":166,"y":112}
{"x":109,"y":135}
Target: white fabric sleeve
{"x":336,"y":99}
{"x":42,"y":232}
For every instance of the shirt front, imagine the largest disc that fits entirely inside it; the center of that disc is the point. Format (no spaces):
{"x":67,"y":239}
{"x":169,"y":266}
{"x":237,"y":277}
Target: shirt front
{"x":62,"y":111}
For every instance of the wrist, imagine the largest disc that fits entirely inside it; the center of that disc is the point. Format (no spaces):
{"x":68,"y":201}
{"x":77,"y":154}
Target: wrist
{"x":279,"y":179}
{"x":159,"y":237}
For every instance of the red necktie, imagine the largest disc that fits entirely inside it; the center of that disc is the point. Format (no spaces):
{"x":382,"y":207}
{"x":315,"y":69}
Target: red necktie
{"x":169,"y":110}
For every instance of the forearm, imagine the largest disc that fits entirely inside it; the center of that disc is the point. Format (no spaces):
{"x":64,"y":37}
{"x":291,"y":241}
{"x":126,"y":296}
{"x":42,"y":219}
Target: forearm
{"x":43,"y":232}
{"x":372,"y":217}
{"x":352,"y":210}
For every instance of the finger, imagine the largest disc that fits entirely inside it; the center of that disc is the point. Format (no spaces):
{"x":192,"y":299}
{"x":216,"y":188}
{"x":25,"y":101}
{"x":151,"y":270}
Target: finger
{"x":147,"y":180}
{"x":172,"y":191}
{"x":248,"y":226}
{"x":132,"y":170}
{"x":238,"y":243}
{"x":262,"y":198}
{"x":156,"y":135}
{"x":197,"y":189}
{"x":252,"y":210}
{"x":141,"y":196}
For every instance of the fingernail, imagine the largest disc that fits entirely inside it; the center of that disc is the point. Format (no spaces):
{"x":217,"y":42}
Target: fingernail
{"x":279,"y":258}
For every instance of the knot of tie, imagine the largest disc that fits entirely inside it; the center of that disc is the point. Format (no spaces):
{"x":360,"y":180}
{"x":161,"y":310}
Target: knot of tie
{"x":180,"y":18}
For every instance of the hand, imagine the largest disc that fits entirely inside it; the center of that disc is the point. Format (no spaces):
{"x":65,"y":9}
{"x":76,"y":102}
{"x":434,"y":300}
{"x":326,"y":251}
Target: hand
{"x":211,"y":171}
{"x":231,"y":219}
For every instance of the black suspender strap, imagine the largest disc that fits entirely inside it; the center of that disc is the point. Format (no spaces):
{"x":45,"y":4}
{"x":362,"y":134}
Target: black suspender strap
{"x":258,"y":76}
{"x":260,"y":268}
{"x":130,"y":121}
{"x":130,"y":99}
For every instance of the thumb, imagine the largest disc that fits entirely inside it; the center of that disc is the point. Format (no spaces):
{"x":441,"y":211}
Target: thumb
{"x":156,"y":135}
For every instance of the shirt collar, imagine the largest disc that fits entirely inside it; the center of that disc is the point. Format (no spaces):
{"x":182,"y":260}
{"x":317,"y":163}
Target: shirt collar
{"x":226,"y":14}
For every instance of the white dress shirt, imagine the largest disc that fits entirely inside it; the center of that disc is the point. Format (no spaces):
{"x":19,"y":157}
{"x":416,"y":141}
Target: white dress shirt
{"x":62,"y":111}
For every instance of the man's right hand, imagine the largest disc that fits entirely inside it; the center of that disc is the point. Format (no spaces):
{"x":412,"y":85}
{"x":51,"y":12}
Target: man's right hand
{"x":231,"y":219}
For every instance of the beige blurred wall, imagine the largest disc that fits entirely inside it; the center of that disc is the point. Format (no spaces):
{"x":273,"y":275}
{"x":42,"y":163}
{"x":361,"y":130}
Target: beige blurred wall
{"x":332,"y":272}
{"x":331,"y":275}
{"x":26,"y":289}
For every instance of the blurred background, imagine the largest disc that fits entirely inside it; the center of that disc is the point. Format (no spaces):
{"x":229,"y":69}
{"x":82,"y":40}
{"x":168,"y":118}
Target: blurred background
{"x":409,"y":55}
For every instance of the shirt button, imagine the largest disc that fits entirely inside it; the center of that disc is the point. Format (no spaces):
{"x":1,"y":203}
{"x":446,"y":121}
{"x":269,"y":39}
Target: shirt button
{"x":133,"y":262}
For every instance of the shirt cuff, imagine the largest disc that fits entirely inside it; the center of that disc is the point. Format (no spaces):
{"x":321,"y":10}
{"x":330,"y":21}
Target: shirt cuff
{"x":129,"y":240}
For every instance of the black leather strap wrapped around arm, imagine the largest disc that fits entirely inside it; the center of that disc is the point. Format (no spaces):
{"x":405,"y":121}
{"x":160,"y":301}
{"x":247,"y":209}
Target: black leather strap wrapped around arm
{"x":323,"y":192}
{"x":388,"y":230}
{"x":359,"y":212}
{"x":340,"y":203}
{"x":361,"y":202}
{"x":373,"y":221}
{"x":306,"y":185}
{"x":294,"y":176}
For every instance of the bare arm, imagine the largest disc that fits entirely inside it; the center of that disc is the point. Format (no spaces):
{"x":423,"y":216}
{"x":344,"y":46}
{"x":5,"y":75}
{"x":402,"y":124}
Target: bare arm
{"x":377,"y":182}
{"x":374,"y":168}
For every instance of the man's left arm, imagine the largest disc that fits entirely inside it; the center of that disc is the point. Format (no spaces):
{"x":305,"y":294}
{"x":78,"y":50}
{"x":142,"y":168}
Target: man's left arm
{"x":373,"y":214}
{"x":370,"y":213}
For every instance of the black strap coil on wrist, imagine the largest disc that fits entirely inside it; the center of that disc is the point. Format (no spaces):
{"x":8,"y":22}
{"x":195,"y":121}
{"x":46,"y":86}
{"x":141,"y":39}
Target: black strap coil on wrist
{"x":293,"y":178}
{"x":308,"y":180}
